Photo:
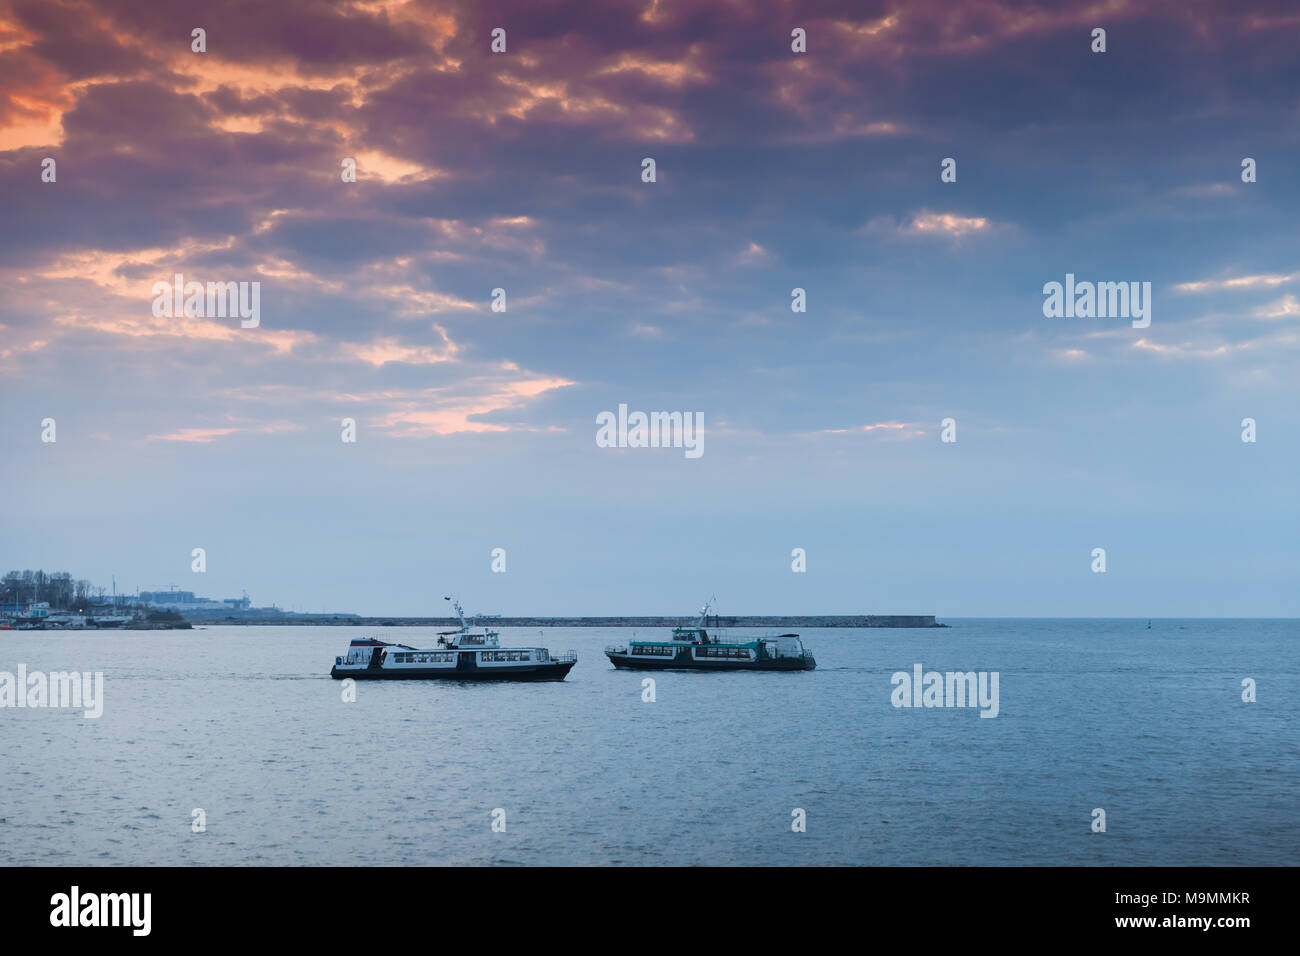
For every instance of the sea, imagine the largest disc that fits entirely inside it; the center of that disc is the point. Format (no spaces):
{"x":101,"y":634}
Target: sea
{"x":231,"y":745}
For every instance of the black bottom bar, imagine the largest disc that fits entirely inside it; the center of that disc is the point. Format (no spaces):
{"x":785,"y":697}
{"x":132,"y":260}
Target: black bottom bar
{"x":943,"y":907}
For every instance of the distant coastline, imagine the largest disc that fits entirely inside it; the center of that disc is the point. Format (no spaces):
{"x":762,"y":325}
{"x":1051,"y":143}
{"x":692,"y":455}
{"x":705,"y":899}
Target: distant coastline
{"x":48,"y":601}
{"x":797,"y":620}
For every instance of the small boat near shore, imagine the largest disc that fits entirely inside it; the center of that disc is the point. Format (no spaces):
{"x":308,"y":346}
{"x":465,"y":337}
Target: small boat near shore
{"x":462,"y":654}
{"x":693,"y":648}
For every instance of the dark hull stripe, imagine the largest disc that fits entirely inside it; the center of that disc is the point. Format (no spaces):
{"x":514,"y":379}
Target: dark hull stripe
{"x":556,"y":670}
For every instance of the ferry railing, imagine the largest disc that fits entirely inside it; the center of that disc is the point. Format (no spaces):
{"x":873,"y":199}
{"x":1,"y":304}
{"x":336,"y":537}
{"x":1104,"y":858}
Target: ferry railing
{"x":568,"y":656}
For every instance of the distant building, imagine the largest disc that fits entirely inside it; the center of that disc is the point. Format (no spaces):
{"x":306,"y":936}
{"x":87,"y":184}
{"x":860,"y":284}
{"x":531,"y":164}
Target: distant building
{"x":188,"y":601}
{"x":170,"y":597}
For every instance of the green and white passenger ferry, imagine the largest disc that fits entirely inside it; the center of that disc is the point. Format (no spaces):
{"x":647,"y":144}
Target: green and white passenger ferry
{"x":693,"y":648}
{"x":462,"y":654}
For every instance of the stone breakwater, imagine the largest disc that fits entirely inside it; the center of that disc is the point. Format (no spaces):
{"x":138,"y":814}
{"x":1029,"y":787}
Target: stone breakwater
{"x":825,"y":620}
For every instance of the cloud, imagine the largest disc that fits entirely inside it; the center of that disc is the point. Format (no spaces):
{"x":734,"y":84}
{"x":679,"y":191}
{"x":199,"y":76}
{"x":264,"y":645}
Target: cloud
{"x":926,"y":223}
{"x":195,"y":435}
{"x":1070,"y":355}
{"x":886,"y":430}
{"x":1284,"y":308}
{"x":671,"y":73}
{"x":754,"y":255}
{"x":521,"y":171}
{"x":205,"y":436}
{"x":391,"y":169}
{"x":390,"y":349}
{"x":946,"y":224}
{"x":1188,"y":350}
{"x":1238,"y":283}
{"x":476,"y":405}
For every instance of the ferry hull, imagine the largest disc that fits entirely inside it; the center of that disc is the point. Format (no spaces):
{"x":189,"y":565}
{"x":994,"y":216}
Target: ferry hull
{"x":627,"y":662}
{"x":552,"y":670}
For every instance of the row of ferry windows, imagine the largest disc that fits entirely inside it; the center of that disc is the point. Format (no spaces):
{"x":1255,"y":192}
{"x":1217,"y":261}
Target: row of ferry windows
{"x":650,"y":650}
{"x":436,"y":657}
{"x":442,"y":657}
{"x":722,"y":652}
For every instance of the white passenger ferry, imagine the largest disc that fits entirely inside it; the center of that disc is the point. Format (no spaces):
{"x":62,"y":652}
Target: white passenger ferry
{"x":462,"y":654}
{"x":693,"y":648}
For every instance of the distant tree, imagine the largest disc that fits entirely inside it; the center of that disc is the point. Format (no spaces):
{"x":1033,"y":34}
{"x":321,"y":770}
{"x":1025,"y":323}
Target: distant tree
{"x":60,"y":589}
{"x":57,"y":588}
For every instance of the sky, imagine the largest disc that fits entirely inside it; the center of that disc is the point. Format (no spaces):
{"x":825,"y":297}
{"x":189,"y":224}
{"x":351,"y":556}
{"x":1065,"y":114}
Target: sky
{"x":774,"y":170}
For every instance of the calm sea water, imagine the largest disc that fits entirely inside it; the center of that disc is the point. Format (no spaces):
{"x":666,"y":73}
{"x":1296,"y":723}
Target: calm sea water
{"x":245,"y":724}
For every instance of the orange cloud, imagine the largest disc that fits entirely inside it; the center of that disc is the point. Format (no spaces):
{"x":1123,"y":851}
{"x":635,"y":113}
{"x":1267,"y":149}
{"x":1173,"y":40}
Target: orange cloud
{"x":389,"y":349}
{"x":200,"y":435}
{"x":434,"y":414}
{"x":947,"y":224}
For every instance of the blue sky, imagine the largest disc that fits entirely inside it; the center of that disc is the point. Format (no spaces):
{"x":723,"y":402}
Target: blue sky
{"x":775,"y":170}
